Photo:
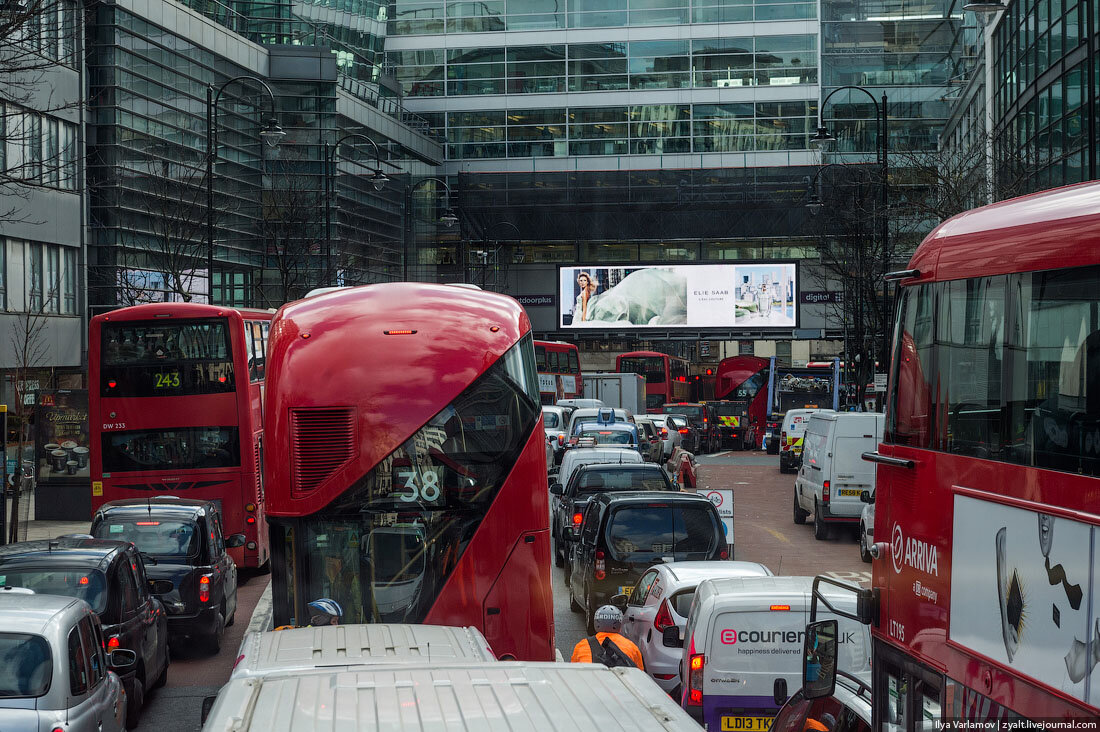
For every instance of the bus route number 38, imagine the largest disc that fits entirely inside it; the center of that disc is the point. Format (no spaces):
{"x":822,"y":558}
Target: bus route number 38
{"x":419,"y":487}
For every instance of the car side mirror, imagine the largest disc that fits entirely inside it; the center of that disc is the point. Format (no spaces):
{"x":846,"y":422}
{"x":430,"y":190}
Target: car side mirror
{"x":779,"y":692}
{"x":619,"y":601}
{"x":556,"y":489}
{"x":234,"y":540}
{"x":867,"y":497}
{"x":207,"y":705}
{"x":122,"y":660}
{"x":161,"y":587}
{"x":819,"y":659}
{"x":670,"y":637}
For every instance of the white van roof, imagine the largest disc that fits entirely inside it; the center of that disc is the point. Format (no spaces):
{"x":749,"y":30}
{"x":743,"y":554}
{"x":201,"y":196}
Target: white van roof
{"x":750,"y":590}
{"x":500,"y":696}
{"x":699,"y":571}
{"x":344,"y":646}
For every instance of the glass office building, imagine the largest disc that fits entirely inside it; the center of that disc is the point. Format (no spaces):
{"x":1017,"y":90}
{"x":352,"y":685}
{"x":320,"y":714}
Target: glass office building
{"x":275,"y":236}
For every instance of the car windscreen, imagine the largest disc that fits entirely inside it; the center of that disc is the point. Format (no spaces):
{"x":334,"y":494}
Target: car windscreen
{"x":26,"y":665}
{"x":640,"y":531}
{"x":159,"y":537}
{"x":609,"y":437}
{"x":550,"y":420}
{"x":87,"y":585}
{"x":603,"y":481}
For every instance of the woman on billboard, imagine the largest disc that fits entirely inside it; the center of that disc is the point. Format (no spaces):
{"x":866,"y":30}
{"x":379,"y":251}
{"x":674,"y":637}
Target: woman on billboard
{"x":587,"y":296}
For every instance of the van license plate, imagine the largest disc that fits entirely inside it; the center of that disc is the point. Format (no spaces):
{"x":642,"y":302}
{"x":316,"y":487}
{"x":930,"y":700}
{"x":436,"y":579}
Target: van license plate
{"x":746,"y":724}
{"x":850,"y":491}
{"x":625,"y":590}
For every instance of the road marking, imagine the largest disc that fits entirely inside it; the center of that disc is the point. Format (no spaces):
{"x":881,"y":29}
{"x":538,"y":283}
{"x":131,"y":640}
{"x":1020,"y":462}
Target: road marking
{"x":777,"y":535}
{"x":860,"y":577}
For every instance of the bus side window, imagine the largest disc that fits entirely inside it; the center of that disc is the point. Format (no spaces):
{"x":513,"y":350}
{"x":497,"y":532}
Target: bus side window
{"x":540,"y":358}
{"x":911,"y":419}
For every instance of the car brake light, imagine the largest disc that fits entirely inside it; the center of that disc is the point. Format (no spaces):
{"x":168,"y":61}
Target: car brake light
{"x":601,"y":566}
{"x":250,"y":520}
{"x":664,"y":432}
{"x":113,"y":643}
{"x":147,"y":523}
{"x":783,"y":441}
{"x":695,"y":679}
{"x":684,"y":431}
{"x":780,"y":607}
{"x":577,"y":518}
{"x":724,"y":554}
{"x":664,"y":618}
{"x":561,"y":439}
{"x":204,"y":588}
{"x":825,"y":491}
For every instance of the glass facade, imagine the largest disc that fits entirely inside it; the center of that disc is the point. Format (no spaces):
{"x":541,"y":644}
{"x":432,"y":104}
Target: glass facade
{"x":1046,"y":78}
{"x":629,"y":130}
{"x":583,"y":67}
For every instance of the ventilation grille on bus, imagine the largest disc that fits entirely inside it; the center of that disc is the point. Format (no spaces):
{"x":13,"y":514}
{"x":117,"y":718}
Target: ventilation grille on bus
{"x":321,"y":441}
{"x":257,"y":452}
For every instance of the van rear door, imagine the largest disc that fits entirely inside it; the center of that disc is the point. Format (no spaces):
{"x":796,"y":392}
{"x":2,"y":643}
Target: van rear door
{"x":747,"y":652}
{"x":851,"y":475}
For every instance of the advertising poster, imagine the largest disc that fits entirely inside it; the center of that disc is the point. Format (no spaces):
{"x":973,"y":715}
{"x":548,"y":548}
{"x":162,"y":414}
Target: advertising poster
{"x":62,"y":437}
{"x":749,"y":296}
{"x":1021,"y":584}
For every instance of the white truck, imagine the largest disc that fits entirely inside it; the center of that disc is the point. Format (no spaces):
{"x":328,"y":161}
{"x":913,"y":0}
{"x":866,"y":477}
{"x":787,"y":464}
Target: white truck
{"x":626,"y":391}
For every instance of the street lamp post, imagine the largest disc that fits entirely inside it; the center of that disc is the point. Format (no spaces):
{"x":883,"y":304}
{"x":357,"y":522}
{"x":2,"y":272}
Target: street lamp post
{"x":496,"y":253}
{"x":378,"y":179}
{"x":882,"y":123}
{"x":448,"y":219}
{"x":271,"y":134}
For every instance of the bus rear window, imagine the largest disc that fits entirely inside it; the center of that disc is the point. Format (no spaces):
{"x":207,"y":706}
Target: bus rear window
{"x":652,"y":368}
{"x":165,"y":359}
{"x":181,"y":448}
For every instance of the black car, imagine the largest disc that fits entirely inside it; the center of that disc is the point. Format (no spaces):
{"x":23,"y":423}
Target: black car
{"x":702,"y":417}
{"x":588,"y":480}
{"x":110,"y":577}
{"x":193,"y":575}
{"x":623,"y":534}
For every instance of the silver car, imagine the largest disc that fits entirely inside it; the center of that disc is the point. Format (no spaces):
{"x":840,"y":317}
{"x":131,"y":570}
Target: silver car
{"x":554,"y":420}
{"x":670,"y":433}
{"x":650,"y":435}
{"x":54,"y":671}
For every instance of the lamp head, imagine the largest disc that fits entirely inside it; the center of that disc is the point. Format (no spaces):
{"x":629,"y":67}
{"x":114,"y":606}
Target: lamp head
{"x":272,"y":133}
{"x":379,"y":180}
{"x":823,"y":137}
{"x":448,"y":219}
{"x":985,"y":7}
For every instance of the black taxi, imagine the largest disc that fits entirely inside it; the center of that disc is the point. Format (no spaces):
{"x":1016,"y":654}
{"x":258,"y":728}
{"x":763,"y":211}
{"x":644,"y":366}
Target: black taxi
{"x":188,"y":567}
{"x":110,"y":577}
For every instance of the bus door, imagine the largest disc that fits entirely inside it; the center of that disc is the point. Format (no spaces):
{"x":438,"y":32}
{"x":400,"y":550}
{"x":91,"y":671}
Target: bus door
{"x":908,"y":697}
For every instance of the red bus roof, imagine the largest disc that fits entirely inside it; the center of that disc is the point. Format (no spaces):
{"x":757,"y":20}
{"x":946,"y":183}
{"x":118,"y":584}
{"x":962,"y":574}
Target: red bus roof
{"x":644,"y":354}
{"x":1048,"y":230}
{"x":152,"y":310}
{"x":332,"y":350}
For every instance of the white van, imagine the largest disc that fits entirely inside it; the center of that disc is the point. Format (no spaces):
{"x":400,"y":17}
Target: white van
{"x":510,"y":695}
{"x":341,"y":647}
{"x":790,"y":437}
{"x":833,"y":473}
{"x":743,"y":647}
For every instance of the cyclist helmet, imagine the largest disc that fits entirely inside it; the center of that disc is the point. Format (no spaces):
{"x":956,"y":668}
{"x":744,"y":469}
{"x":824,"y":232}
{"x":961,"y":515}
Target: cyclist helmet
{"x":608,"y":619}
{"x":327,"y":607}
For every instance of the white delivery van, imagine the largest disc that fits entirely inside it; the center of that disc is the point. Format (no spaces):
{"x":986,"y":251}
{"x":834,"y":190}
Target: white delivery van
{"x":833,"y":473}
{"x":339,"y":647}
{"x":510,"y":695}
{"x":743,"y":647}
{"x":790,"y":437}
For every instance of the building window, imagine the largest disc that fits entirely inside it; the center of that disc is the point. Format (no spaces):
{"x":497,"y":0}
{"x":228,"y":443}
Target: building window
{"x":3,"y":274}
{"x":68,"y":292}
{"x":53,"y":279}
{"x":34,"y":277}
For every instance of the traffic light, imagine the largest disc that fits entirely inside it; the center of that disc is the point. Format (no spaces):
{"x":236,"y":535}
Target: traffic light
{"x":710,"y":372}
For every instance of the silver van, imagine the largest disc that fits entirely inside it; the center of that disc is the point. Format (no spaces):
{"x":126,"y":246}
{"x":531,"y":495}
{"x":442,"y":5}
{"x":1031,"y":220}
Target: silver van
{"x":510,"y":695}
{"x":54,"y":669}
{"x":346,"y":646}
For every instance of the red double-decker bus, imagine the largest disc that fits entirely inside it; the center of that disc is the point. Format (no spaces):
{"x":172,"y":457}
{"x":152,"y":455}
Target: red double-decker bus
{"x":176,"y":408}
{"x":559,"y":369}
{"x":411,"y":480}
{"x":666,"y":377}
{"x":741,"y":388}
{"x":988,"y":504}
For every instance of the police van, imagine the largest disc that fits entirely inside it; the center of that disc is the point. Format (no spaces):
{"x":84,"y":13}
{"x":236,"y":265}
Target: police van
{"x":743,"y":647}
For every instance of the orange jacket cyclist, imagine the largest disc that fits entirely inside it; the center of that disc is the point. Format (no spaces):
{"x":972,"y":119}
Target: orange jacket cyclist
{"x":608,"y":621}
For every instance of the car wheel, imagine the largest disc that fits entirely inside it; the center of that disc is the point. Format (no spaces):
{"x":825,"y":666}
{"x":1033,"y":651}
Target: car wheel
{"x":163,"y":678}
{"x":589,"y":615}
{"x":863,"y":553}
{"x":214,"y":640}
{"x":821,"y":529}
{"x":134,"y":702}
{"x":799,"y":514}
{"x":559,"y":557}
{"x":574,"y":606}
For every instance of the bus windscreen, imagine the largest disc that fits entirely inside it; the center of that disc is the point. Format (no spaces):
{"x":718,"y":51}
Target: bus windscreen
{"x":142,"y":359}
{"x":652,"y":368}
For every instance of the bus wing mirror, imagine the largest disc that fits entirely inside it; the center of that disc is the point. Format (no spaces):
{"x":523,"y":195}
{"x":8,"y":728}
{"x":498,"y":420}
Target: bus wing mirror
{"x":779,"y":692}
{"x":819,"y":659}
{"x":556,"y":489}
{"x":234,"y":540}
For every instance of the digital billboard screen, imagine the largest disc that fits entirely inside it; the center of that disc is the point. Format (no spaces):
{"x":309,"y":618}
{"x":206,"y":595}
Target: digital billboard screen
{"x":729,"y":296}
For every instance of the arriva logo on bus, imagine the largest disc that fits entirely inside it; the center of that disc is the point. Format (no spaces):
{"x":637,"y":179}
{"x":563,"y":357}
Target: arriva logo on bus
{"x":915,"y":553}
